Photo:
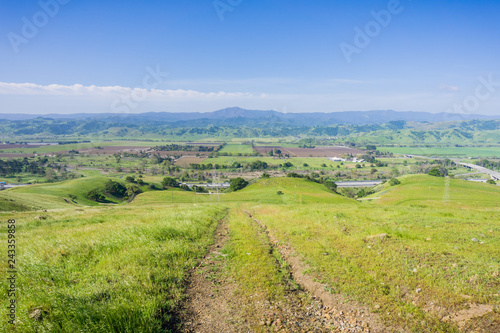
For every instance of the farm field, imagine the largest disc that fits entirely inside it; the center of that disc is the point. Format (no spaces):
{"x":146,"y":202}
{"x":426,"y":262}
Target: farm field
{"x":405,"y":259}
{"x":492,"y":152}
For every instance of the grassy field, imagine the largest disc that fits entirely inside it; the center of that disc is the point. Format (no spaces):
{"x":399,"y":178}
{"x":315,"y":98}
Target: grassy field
{"x":407,"y":262}
{"x":237,"y":149}
{"x":410,"y":257}
{"x":106,"y":270}
{"x":56,"y":195}
{"x":492,"y":152}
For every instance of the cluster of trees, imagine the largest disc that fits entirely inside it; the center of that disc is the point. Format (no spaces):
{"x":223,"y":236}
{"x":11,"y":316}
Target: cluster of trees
{"x":13,"y":167}
{"x":115,"y":189}
{"x":314,"y":177}
{"x":492,"y":165}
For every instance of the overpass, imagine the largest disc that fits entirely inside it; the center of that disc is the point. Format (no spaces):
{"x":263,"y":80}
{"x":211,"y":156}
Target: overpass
{"x":494,"y":174}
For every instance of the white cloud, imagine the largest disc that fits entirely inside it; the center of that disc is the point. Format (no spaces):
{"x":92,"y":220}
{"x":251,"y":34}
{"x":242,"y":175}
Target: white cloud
{"x":446,"y":87}
{"x":111,"y":91}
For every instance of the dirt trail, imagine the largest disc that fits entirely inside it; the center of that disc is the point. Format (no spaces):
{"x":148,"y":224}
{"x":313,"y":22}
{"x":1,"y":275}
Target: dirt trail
{"x":211,"y":305}
{"x":341,"y":315}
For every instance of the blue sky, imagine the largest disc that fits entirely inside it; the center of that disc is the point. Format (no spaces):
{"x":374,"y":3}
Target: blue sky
{"x":62,"y":56}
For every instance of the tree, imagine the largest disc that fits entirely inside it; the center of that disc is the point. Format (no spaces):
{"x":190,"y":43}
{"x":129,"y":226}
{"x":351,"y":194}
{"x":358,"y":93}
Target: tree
{"x":331,"y":185}
{"x":115,"y":188}
{"x":132,"y":191}
{"x":287,"y":165}
{"x":169,"y":182}
{"x":394,"y":181}
{"x":130,"y":179}
{"x":238,"y":183}
{"x":94,"y":195}
{"x":435,"y":172}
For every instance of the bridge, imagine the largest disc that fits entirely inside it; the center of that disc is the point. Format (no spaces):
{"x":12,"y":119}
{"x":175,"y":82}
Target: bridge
{"x":494,"y":174}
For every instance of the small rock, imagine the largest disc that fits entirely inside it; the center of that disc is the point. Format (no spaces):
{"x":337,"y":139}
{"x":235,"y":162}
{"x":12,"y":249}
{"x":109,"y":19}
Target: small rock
{"x":418,"y":290}
{"x":377,"y":306}
{"x":482,"y":235}
{"x":428,"y":239}
{"x":414,"y":270}
{"x":475,"y":240}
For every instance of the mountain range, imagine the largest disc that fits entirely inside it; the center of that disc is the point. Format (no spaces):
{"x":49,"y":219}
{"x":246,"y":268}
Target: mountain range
{"x":239,"y":116}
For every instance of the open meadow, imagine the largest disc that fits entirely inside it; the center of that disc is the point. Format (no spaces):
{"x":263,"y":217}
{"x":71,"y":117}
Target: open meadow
{"x":406,"y":259}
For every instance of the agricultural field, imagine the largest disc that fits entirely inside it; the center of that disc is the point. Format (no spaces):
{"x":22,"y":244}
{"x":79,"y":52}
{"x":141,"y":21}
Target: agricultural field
{"x":460,"y":152}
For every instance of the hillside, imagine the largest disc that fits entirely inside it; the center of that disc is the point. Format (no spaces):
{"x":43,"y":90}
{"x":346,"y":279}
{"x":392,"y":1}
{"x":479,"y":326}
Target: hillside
{"x":427,"y":190}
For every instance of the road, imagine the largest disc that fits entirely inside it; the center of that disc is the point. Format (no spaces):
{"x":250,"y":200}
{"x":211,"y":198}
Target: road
{"x":361,"y":183}
{"x":494,"y":174}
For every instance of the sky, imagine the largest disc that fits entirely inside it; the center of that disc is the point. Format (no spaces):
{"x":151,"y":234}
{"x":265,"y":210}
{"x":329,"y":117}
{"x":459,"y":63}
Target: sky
{"x":71,"y":56}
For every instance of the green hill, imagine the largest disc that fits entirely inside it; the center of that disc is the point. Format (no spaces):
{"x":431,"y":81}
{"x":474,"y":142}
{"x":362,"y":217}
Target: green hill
{"x":295,"y":190}
{"x":52,"y":195}
{"x":429,"y":190}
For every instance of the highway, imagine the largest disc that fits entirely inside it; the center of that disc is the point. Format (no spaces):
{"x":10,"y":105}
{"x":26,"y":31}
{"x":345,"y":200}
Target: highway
{"x":494,"y":174}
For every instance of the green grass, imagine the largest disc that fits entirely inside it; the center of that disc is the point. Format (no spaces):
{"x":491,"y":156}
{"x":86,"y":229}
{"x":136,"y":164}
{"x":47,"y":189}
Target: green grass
{"x":446,"y":151}
{"x":295,"y":191}
{"x":237,"y":149}
{"x":434,"y":192}
{"x":55,"y":195}
{"x":387,"y":270}
{"x":122,"y":268}
{"x":106,"y":270}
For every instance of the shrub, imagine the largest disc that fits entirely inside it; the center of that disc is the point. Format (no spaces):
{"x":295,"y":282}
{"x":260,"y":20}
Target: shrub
{"x":491,"y":181}
{"x":115,"y":188}
{"x":394,"y":181}
{"x":94,"y":195}
{"x":238,"y":183}
{"x":169,"y":182}
{"x":185,"y":187}
{"x":331,"y":185}
{"x":130,"y":179}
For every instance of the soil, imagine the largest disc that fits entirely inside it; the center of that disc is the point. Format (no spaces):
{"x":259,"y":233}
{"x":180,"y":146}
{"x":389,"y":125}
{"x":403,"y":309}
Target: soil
{"x":342,"y":316}
{"x":211,"y":304}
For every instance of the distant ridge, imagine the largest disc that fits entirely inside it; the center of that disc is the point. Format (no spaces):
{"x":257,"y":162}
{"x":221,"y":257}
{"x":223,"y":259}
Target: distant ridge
{"x":236,"y":115}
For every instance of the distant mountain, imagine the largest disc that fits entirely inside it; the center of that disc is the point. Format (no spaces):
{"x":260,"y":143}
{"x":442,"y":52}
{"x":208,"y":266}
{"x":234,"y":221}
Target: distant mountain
{"x":239,"y":116}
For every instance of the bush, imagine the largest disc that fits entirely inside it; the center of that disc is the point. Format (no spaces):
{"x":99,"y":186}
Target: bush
{"x":94,"y":195}
{"x":151,"y":187}
{"x":238,"y":183}
{"x":280,"y":193}
{"x":115,"y":188}
{"x":169,"y":182}
{"x":294,"y":175}
{"x":491,"y":181}
{"x":132,"y":191}
{"x":394,"y":181}
{"x":130,"y":179}
{"x":185,"y":187}
{"x":331,"y":185}
{"x":265,"y":175}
